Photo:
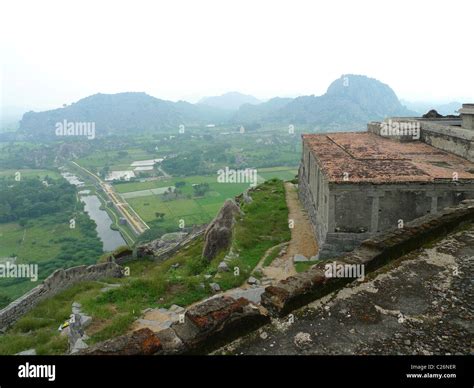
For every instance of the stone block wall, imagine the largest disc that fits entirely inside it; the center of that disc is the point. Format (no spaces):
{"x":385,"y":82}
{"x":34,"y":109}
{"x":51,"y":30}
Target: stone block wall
{"x":307,"y":199}
{"x":58,"y":281}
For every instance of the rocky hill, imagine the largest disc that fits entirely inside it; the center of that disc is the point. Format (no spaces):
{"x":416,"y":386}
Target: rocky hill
{"x":350,"y":102}
{"x":122,"y":113}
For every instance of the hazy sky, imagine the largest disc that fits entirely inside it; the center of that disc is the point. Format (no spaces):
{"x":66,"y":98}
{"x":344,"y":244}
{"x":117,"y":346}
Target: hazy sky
{"x":55,"y":52}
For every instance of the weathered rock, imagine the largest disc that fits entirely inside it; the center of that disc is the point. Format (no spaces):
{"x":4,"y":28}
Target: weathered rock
{"x":140,"y":342}
{"x":78,"y":346}
{"x":86,"y":320}
{"x":29,"y":352}
{"x":251,"y":280}
{"x":303,"y":340}
{"x":218,"y":235}
{"x":76,"y":330}
{"x":215,"y":287}
{"x":218,"y":320}
{"x":177,"y":309}
{"x":253,"y":294}
{"x":171,"y":343}
{"x":299,"y":258}
{"x":246,"y":197}
{"x":155,"y":247}
{"x":223,"y":267}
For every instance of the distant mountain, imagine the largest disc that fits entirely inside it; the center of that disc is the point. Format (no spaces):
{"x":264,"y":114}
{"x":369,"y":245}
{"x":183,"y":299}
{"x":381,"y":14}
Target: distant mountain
{"x":263,"y":112}
{"x":421,"y":107}
{"x":122,"y":113}
{"x":229,"y":101}
{"x":350,"y":101}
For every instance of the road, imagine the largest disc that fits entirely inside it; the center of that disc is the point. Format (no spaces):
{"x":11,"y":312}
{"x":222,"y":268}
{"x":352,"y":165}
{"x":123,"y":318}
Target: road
{"x":135,"y":222}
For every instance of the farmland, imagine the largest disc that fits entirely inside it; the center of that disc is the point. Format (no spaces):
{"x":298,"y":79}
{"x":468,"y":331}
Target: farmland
{"x":190,"y":209}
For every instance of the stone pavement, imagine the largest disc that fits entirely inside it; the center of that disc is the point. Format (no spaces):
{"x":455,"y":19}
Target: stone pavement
{"x":420,"y":304}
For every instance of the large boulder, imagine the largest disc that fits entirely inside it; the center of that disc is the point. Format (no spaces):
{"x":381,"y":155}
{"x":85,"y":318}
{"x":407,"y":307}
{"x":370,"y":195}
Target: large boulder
{"x":218,"y":235}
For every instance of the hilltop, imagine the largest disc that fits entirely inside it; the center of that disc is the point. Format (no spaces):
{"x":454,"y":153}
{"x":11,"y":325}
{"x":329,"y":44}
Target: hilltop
{"x":229,"y":101}
{"x":349,"y":103}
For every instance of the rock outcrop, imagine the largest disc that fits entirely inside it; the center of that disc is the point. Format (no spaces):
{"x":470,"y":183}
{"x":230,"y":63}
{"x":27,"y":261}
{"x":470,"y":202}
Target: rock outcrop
{"x":166,"y":246}
{"x":218,"y":235}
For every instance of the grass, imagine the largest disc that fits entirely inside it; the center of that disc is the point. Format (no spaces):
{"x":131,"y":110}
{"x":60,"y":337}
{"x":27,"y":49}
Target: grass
{"x":39,"y":328}
{"x":39,"y":242}
{"x":305,"y":265}
{"x":150,"y":284}
{"x":33,"y":243}
{"x":191,"y":210}
{"x":272,"y":255}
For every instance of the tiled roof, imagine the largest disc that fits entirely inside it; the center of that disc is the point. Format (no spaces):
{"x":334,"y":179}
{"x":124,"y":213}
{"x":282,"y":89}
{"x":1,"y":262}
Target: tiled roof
{"x":367,"y":157}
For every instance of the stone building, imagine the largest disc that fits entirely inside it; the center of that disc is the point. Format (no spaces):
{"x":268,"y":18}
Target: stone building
{"x":354,"y":185}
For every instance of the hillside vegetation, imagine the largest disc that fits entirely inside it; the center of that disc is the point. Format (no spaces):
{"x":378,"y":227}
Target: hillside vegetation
{"x":264,"y":224}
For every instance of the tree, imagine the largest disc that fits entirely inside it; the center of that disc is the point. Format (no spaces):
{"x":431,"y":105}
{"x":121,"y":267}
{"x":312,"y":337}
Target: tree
{"x":201,"y":189}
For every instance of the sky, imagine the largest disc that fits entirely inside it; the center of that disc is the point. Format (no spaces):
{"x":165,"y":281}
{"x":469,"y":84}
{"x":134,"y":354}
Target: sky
{"x":57,"y":52}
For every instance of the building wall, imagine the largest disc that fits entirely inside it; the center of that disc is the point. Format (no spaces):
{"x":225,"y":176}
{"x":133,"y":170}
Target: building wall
{"x":468,"y":121}
{"x":343,"y":215}
{"x":314,"y":194}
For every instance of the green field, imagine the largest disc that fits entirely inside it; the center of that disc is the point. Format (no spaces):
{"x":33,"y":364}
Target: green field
{"x":32,"y":244}
{"x":191,"y":210}
{"x":116,"y":162}
{"x":49,"y":242}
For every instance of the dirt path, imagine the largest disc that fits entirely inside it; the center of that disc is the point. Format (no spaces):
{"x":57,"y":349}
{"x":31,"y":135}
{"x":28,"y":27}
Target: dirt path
{"x":302,"y":240}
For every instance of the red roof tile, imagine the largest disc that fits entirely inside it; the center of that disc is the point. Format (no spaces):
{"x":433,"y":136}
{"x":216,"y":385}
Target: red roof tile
{"x":367,"y":157}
